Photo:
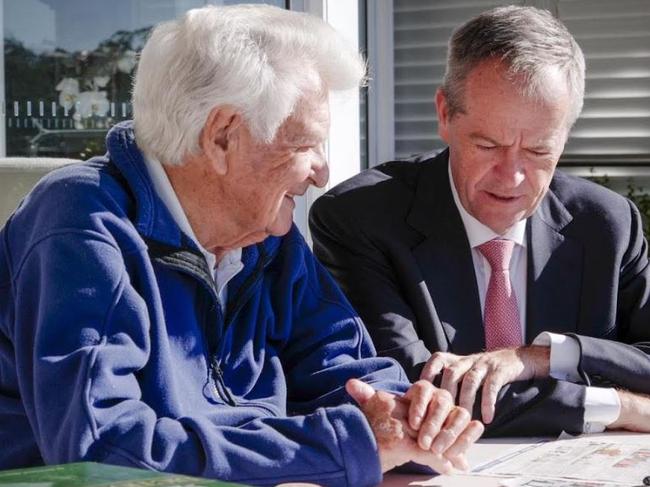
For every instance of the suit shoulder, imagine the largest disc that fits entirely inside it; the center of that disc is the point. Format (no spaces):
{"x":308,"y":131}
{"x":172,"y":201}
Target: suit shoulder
{"x":596,"y":210}
{"x":377,"y":195}
{"x":401,"y":174}
{"x":581,"y":196}
{"x":385,"y":187}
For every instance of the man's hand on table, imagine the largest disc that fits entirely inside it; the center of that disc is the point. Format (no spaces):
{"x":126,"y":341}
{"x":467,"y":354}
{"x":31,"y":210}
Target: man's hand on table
{"x":422,"y":426}
{"x":492,"y":370}
{"x":635,"y":413}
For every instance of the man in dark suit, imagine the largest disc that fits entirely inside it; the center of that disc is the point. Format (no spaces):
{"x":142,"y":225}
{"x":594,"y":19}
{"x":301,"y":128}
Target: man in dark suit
{"x":524,"y":291}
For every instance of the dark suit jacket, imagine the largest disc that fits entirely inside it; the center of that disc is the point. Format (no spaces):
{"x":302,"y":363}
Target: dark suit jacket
{"x":393,"y":238}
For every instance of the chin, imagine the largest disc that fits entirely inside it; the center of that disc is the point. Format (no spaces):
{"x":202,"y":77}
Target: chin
{"x":283,"y":220}
{"x":280,"y":227}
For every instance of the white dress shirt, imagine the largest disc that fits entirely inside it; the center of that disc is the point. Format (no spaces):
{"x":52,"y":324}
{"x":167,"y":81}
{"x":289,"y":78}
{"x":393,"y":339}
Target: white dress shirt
{"x":230,"y":264}
{"x":602,"y":405}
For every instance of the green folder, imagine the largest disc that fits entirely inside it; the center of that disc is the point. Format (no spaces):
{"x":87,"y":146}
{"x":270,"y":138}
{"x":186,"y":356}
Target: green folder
{"x":96,"y":474}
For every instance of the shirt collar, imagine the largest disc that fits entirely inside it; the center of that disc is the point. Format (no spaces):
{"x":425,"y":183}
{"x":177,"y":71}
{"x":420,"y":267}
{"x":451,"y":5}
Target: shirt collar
{"x":477,"y":233}
{"x":166,"y":193}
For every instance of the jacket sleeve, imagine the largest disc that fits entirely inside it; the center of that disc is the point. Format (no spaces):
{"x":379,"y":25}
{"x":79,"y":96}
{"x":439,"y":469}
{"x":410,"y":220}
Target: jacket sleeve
{"x":81,"y":334}
{"x":538,"y":407}
{"x":328,"y":343}
{"x":621,"y":358}
{"x":370,"y":283}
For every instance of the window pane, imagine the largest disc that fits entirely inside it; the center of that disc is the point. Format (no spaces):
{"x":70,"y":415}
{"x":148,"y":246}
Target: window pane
{"x":422,"y":30}
{"x":614,"y":126}
{"x":68,"y":67}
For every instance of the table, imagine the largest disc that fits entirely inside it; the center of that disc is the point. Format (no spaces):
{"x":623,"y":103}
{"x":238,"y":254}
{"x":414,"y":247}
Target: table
{"x":89,"y":474}
{"x":490,"y":449}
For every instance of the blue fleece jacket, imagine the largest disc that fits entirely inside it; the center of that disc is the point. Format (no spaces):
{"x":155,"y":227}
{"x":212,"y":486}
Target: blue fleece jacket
{"x":113,"y":346}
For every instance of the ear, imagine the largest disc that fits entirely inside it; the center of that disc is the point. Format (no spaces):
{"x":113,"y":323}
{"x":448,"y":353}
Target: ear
{"x":218,"y":136}
{"x":442,"y":108}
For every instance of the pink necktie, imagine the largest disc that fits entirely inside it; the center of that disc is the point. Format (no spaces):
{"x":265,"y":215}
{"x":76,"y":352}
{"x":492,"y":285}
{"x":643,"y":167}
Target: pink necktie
{"x":501,"y":314}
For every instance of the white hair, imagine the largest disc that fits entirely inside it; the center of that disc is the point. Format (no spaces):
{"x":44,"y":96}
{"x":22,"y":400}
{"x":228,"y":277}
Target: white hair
{"x":530,"y":42}
{"x":257,"y":58}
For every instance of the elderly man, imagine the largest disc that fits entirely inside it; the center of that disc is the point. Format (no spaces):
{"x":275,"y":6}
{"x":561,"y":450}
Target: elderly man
{"x":507,"y":271}
{"x":158,"y":308}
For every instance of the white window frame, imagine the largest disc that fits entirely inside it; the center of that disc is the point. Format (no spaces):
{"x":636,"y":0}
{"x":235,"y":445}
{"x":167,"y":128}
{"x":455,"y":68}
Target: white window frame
{"x":381,"y":86}
{"x":342,"y":148}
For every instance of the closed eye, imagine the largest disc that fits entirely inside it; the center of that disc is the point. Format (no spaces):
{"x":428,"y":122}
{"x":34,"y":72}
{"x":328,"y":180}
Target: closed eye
{"x":486,"y":147}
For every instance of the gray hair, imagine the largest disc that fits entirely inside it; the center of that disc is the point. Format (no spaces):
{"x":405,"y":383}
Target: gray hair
{"x":257,"y":58}
{"x":528,"y":41}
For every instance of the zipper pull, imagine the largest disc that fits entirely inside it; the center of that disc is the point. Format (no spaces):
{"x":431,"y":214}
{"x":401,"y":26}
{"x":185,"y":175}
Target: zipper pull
{"x":218,"y":373}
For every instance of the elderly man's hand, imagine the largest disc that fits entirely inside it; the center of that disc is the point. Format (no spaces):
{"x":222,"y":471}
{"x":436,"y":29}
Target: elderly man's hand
{"x":422,"y":426}
{"x":492,"y":370}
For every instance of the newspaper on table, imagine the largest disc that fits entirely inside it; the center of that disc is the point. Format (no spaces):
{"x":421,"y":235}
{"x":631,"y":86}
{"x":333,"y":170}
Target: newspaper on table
{"x":532,"y":482}
{"x":591,"y":462}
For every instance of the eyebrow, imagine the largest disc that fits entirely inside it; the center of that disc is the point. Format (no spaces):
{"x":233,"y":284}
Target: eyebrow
{"x":476,"y":135}
{"x":541,"y":147}
{"x":303,"y":142}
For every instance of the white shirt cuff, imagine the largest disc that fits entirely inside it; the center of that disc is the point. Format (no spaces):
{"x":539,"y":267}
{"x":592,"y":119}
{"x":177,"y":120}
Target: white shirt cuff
{"x":565,"y":355}
{"x":602,"y":408}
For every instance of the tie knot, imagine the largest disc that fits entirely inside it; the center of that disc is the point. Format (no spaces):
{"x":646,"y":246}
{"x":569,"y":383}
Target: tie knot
{"x":498,"y":253}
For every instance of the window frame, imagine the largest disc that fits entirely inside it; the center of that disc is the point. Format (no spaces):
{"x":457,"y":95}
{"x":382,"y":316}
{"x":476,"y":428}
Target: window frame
{"x":342,"y":147}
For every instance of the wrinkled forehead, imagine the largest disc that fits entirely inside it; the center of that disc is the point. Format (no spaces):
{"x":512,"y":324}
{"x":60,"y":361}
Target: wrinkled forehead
{"x":309,"y":121}
{"x":495,"y":96}
{"x":495,"y":78}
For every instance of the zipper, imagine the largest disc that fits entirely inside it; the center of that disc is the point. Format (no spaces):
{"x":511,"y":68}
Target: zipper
{"x":178,"y":263}
{"x":241,"y":298}
{"x":247,"y":287}
{"x":217,"y":374}
{"x":183,"y":263}
{"x":215,"y":370}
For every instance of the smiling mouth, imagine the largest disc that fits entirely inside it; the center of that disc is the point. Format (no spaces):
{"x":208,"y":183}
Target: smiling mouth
{"x":293,"y":195}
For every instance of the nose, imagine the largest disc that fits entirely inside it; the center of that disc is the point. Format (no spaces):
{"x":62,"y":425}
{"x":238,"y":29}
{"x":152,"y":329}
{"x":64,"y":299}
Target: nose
{"x":320,"y":171}
{"x":510,"y":168}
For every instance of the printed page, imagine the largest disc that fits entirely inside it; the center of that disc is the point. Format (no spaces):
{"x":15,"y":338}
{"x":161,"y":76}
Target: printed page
{"x":580,"y":459}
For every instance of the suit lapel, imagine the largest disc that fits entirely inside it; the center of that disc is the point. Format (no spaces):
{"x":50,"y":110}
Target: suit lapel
{"x":554,"y":271}
{"x":445,"y":260}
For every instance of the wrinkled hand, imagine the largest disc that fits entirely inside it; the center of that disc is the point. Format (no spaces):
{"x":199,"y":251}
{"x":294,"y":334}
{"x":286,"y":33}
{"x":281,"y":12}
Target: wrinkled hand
{"x":492,"y":370}
{"x":635,"y":413}
{"x":422,"y":426}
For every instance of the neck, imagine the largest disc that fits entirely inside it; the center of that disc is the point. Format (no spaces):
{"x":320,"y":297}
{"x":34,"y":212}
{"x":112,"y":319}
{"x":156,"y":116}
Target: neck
{"x":200,"y":193}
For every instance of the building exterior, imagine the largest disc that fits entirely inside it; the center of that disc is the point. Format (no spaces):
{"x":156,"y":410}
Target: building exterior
{"x":67,"y":67}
